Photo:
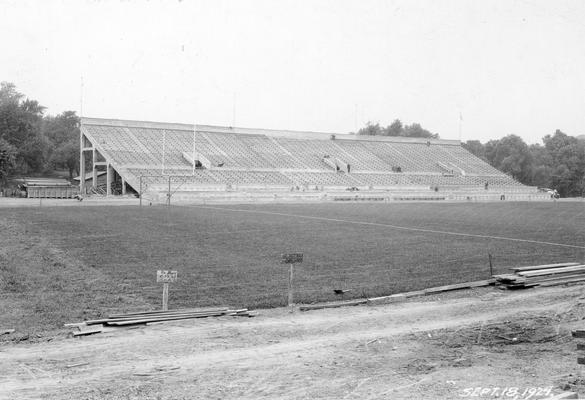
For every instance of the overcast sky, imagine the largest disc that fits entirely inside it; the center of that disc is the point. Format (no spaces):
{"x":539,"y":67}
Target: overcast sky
{"x":504,"y":66}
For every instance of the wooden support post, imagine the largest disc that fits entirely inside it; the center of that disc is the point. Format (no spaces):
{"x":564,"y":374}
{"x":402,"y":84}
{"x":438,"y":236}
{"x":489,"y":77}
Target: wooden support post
{"x":165,"y":303}
{"x":109,"y":180}
{"x":94,"y":169}
{"x":166,"y":277}
{"x":82,"y":167}
{"x":169,"y":193}
{"x":140,"y":191}
{"x":491,"y":266}
{"x":290,"y":288}
{"x":291,"y":259}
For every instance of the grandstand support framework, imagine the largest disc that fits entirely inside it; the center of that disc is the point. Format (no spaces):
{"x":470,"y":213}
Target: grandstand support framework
{"x":207,"y":161}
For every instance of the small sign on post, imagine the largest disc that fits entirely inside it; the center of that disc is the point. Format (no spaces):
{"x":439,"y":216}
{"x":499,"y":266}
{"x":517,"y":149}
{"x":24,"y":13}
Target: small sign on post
{"x":166,"y":277}
{"x":291,"y":259}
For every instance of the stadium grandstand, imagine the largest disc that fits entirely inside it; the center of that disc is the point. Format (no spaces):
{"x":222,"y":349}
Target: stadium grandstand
{"x":192,"y":162}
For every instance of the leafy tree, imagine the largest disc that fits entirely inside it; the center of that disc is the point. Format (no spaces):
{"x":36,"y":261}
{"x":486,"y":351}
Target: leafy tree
{"x":8,"y":93}
{"x":63,"y":133}
{"x":564,"y":159}
{"x":476,"y":148}
{"x":20,"y":127}
{"x":415,"y":130}
{"x":7,"y":160}
{"x":541,"y":166}
{"x":395,"y":128}
{"x":370,"y":129}
{"x":511,"y":155}
{"x":559,"y":163}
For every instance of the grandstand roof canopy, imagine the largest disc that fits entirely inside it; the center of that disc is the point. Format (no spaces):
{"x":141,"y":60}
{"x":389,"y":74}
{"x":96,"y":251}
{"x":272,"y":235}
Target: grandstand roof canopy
{"x":256,"y":131}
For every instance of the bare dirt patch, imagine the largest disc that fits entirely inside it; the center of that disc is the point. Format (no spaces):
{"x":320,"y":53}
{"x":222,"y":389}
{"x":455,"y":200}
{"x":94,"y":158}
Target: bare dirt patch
{"x":432,"y":349}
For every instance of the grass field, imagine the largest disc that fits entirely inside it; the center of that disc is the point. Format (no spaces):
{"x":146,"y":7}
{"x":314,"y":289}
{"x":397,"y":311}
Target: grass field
{"x":62,"y":264}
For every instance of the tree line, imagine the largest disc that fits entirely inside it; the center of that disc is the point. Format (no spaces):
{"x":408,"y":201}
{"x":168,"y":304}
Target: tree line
{"x":558,"y":163}
{"x":32,"y":142}
{"x":396,"y":128}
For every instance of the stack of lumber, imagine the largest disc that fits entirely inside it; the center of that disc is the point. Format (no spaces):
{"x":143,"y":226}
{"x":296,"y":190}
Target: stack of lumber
{"x":542,"y":275}
{"x":116,"y":321}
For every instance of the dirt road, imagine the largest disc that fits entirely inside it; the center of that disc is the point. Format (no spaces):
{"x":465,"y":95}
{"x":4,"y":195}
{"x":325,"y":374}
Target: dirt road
{"x":434,"y":347}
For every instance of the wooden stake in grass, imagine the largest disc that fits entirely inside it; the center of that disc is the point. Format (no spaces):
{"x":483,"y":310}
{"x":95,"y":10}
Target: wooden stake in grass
{"x":166,"y":277}
{"x":291,"y":259}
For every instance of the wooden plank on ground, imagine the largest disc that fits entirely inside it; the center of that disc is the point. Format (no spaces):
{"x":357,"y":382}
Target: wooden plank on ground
{"x":178,"y":311}
{"x":580,"y":346}
{"x":545,"y":266}
{"x":391,"y":298}
{"x":506,"y":278}
{"x":521,"y":286}
{"x":173,"y":318}
{"x":416,"y":293}
{"x":578,"y":333}
{"x":547,"y":278}
{"x":561,"y":282}
{"x":552,"y":271}
{"x":457,"y":286}
{"x":134,"y":317}
{"x":88,"y":332}
{"x":81,"y":364}
{"x":333,"y":305}
{"x":74,"y":325}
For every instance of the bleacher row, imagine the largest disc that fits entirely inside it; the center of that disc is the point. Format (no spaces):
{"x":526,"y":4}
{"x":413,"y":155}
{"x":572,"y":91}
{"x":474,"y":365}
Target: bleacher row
{"x":260,"y":159}
{"x":310,"y":179}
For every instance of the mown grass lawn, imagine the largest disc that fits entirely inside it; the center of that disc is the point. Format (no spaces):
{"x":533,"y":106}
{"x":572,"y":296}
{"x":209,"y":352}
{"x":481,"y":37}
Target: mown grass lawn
{"x":231,"y":254}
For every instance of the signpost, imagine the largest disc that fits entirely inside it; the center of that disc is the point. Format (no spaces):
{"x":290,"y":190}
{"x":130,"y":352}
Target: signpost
{"x":291,"y":259}
{"x":166,"y":277}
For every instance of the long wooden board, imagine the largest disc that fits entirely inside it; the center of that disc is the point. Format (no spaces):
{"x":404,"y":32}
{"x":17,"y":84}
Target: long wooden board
{"x":391,"y":298}
{"x":545,"y":266}
{"x":552,"y":271}
{"x":457,"y":286}
{"x":134,"y":317}
{"x":561,"y":282}
{"x":88,"y":332}
{"x":547,"y":278}
{"x":174,"y":318}
{"x":178,"y":311}
{"x":333,"y":305}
